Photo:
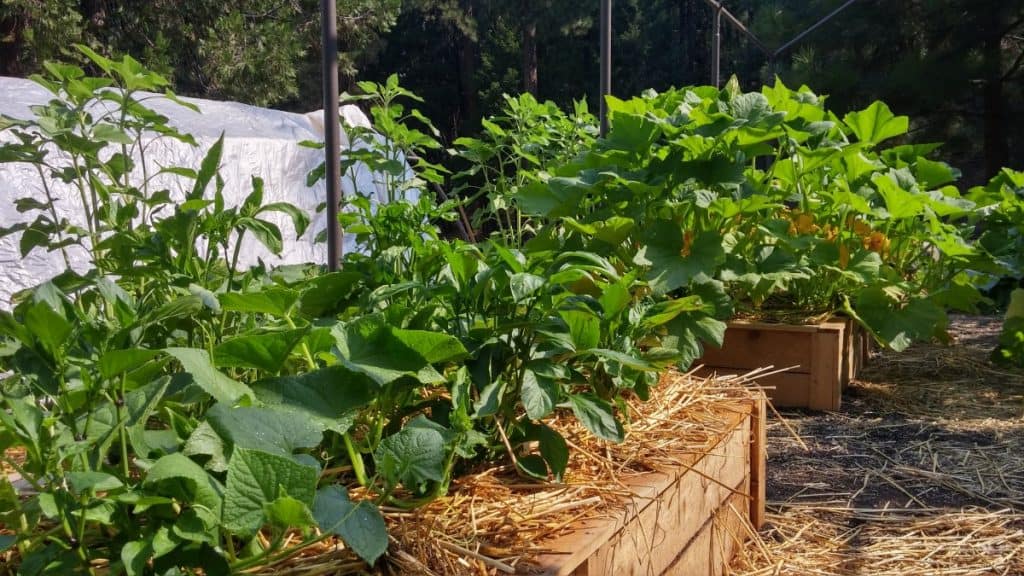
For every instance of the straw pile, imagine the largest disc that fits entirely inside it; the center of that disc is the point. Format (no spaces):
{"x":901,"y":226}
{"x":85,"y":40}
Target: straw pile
{"x":493,"y":521}
{"x":922,"y":474}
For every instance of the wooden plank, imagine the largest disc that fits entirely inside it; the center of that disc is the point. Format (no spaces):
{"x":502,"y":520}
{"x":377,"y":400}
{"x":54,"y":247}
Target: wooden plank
{"x":651,"y":543}
{"x":786,"y":389}
{"x":748,"y":346}
{"x":826,"y":370}
{"x":720,"y":537}
{"x":758,"y":463}
{"x":664,"y":514}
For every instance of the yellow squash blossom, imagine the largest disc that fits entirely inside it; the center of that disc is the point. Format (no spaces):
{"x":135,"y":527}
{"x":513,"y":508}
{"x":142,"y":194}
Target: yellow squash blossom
{"x":877,"y":242}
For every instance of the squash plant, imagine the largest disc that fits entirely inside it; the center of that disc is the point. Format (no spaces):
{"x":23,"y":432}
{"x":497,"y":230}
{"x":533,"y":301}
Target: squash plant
{"x":791,"y":207}
{"x":1001,"y":220}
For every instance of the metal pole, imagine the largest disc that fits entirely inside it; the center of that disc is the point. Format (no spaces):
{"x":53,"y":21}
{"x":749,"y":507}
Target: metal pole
{"x":606,"y":61}
{"x":801,"y":35}
{"x":716,"y":50}
{"x":332,"y":142}
{"x":716,"y":5}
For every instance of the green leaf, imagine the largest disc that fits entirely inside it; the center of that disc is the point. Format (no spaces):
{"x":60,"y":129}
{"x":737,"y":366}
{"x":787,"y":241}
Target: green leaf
{"x":360,"y":525}
{"x":598,"y":417}
{"x":667,"y":310}
{"x":257,"y":478}
{"x":300,"y":220}
{"x":267,"y":233}
{"x":932,"y":174}
{"x":584,"y":327}
{"x":434,"y":347}
{"x":490,"y":399}
{"x":267,"y":351}
{"x":177,"y":476}
{"x":370,"y":346}
{"x":134,"y":556}
{"x":197,"y":526}
{"x":208,"y":169}
{"x":898,"y":202}
{"x":671,"y":266}
{"x":197,"y":363}
{"x":628,"y":360}
{"x":88,"y":481}
{"x":414,"y":455}
{"x":116,"y":362}
{"x":554,"y":450}
{"x":524,"y":285}
{"x":256,"y":428}
{"x":686,"y":333}
{"x":876,"y":123}
{"x":208,"y":298}
{"x":895,"y":323}
{"x":287,"y":512}
{"x":616,"y":297}
{"x":111,"y":133}
{"x":179,"y":308}
{"x":631,"y":132}
{"x":204,"y":441}
{"x":274,"y":301}
{"x":330,"y":397}
{"x":324,"y":293}
{"x":539,"y":394}
{"x":553,"y":199}
{"x":49,"y":328}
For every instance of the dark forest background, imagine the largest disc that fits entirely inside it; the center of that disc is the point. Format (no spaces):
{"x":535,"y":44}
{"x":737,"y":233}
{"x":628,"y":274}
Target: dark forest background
{"x":955,"y":66}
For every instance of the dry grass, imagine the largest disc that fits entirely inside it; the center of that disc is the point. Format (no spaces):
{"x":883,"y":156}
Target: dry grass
{"x":839,"y":541}
{"x":493,"y":521}
{"x":922,"y":474}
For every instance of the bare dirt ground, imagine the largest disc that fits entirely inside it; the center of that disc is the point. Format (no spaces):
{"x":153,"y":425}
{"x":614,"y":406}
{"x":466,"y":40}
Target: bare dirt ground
{"x":920,"y":473}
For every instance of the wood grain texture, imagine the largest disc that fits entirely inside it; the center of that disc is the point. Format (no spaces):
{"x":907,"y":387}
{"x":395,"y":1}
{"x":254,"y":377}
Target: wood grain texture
{"x":823,"y":356}
{"x":670,"y":520}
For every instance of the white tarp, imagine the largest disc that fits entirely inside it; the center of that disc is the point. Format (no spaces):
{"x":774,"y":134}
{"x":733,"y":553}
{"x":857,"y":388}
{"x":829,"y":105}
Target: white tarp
{"x":257,"y":142}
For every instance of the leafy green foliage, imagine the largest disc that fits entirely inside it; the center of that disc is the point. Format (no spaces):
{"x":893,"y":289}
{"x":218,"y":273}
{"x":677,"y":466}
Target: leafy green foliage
{"x":179,"y":412}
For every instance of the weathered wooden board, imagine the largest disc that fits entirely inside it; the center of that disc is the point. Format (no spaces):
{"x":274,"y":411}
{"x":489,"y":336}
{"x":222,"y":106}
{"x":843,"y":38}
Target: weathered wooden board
{"x":688,"y":520}
{"x":822,"y":359}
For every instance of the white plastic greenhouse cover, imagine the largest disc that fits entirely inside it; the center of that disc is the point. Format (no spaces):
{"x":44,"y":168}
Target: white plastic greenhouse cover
{"x":257,"y":142}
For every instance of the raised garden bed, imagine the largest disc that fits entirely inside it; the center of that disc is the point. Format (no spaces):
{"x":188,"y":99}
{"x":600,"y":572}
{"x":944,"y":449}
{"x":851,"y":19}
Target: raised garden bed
{"x":679,"y":496}
{"x":820,"y":359}
{"x":688,"y":519}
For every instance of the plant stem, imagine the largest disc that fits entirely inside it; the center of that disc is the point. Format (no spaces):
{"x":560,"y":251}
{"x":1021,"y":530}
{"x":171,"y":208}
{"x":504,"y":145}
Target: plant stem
{"x":358,"y":466}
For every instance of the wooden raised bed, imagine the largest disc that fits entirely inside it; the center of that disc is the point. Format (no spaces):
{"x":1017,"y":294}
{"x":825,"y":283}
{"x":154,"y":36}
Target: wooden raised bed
{"x":688,"y":521}
{"x":822,"y":358}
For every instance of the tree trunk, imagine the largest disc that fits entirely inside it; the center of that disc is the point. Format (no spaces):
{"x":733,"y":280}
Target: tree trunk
{"x":529,"y":50}
{"x":466,"y":55}
{"x":11,"y":38}
{"x":997,"y":150}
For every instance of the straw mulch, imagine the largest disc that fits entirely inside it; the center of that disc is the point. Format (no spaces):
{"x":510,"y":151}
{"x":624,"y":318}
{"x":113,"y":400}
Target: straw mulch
{"x":493,"y":521}
{"x":922,"y":472}
{"x":17,"y":455}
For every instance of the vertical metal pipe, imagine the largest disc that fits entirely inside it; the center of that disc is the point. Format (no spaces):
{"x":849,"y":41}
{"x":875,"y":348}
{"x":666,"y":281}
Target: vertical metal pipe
{"x":606,"y":61}
{"x":716,"y":50}
{"x":332,"y":141}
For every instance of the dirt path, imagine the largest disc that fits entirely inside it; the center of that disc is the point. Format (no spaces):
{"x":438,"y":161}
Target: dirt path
{"x":921,"y":473}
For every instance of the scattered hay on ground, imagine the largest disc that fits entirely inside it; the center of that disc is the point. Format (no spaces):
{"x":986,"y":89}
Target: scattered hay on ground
{"x":827,"y":540}
{"x":922,"y":473}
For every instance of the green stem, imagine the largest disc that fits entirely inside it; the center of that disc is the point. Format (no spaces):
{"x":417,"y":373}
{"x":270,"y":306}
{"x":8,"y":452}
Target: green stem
{"x":358,"y":466}
{"x":266,"y":559}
